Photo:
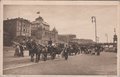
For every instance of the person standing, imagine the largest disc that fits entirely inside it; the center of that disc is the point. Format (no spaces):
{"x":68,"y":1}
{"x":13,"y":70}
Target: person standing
{"x":98,"y":50}
{"x":65,"y":52}
{"x":50,"y":42}
{"x":33,"y":50}
{"x":44,"y":53}
{"x":17,"y":50}
{"x":21,"y":50}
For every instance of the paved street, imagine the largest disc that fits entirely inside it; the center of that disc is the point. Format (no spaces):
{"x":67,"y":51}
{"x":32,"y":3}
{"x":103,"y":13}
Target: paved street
{"x":82,"y":64}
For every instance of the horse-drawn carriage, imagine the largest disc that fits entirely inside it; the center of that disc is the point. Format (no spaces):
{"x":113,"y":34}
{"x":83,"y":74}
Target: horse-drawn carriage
{"x":43,"y":51}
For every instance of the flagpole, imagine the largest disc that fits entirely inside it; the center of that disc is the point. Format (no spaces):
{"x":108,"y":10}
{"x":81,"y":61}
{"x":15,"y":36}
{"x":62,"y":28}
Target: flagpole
{"x":106,"y":37}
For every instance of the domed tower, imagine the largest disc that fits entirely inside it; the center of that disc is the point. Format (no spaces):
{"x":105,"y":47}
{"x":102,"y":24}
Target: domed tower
{"x":115,"y":37}
{"x":55,"y":32}
{"x":39,"y":18}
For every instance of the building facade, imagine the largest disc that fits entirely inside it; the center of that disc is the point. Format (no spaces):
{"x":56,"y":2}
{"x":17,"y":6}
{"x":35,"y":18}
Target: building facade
{"x":16,"y":28}
{"x":41,"y":31}
{"x":19,"y":29}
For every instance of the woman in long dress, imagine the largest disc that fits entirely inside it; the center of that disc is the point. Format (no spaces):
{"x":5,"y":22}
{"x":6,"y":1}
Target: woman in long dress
{"x":17,"y":51}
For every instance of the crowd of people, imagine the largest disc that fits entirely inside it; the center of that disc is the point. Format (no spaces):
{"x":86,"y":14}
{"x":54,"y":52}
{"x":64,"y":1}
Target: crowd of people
{"x":39,"y":51}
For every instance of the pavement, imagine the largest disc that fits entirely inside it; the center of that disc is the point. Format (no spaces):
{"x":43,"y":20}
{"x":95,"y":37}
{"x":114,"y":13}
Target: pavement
{"x":82,"y":64}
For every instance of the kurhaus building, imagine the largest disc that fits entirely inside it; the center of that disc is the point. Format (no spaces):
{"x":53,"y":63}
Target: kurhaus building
{"x":41,"y":30}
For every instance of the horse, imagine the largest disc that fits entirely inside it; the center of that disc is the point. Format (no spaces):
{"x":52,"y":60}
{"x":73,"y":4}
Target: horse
{"x":44,"y":52}
{"x":58,"y":50}
{"x":34,"y":50}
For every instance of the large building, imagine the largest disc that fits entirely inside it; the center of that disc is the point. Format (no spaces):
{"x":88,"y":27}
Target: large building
{"x":16,"y":28}
{"x":20,"y":28}
{"x":41,"y":31}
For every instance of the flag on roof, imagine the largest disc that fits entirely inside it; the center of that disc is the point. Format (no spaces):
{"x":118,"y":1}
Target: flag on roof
{"x":38,"y":12}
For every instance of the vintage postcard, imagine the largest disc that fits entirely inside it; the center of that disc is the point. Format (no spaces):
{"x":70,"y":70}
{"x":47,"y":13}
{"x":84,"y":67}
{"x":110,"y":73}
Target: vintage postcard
{"x":60,"y":38}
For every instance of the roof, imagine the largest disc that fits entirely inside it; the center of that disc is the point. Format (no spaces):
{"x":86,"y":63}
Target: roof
{"x":15,"y":19}
{"x":45,"y":23}
{"x":39,"y":18}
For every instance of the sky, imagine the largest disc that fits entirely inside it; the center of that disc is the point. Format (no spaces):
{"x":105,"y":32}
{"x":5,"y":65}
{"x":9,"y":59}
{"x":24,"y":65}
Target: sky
{"x":71,"y":19}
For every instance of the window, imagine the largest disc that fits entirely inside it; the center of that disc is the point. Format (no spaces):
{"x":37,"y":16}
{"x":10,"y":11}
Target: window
{"x":24,"y":30}
{"x":18,"y":28}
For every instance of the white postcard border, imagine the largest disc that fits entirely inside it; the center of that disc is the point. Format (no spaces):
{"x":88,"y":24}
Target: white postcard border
{"x":59,"y":3}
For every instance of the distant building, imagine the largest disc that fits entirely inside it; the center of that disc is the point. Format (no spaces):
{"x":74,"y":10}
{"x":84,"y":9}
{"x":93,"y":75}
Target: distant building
{"x":41,"y":31}
{"x":115,"y":39}
{"x":65,"y":38}
{"x":17,"y":27}
{"x":82,"y":41}
{"x":115,"y":36}
{"x":71,"y":38}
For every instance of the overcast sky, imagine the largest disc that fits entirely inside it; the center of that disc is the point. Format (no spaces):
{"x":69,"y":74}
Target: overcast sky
{"x":71,"y":19}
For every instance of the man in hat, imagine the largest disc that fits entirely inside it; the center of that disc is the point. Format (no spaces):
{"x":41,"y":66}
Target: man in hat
{"x":65,"y":52}
{"x":50,"y":42}
{"x":21,"y":50}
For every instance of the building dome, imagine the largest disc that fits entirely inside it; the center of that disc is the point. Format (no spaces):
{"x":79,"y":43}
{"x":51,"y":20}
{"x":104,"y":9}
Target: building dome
{"x":54,"y":30}
{"x":39,"y":18}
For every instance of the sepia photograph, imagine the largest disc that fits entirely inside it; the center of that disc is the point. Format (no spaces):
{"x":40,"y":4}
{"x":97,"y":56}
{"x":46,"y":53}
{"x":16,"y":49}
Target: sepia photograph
{"x":60,"y":39}
{"x":60,"y":0}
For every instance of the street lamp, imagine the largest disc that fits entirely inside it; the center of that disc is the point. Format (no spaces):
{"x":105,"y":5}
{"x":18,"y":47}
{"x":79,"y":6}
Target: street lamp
{"x":94,"y":21}
{"x":106,"y":37}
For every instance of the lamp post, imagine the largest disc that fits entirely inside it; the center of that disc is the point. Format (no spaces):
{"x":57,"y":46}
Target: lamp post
{"x":98,"y":39}
{"x":94,"y":21}
{"x":106,"y":37}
